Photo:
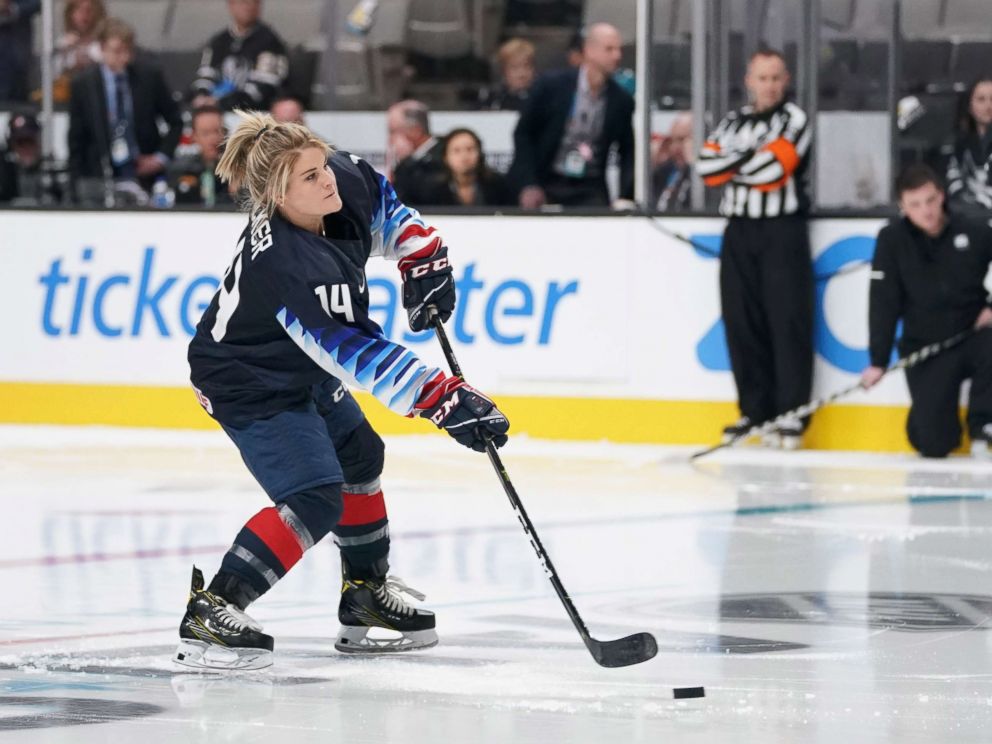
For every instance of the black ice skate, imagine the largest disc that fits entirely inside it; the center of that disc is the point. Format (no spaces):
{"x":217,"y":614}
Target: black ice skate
{"x":736,"y":430}
{"x":788,"y":435}
{"x":217,"y":635}
{"x":376,"y":603}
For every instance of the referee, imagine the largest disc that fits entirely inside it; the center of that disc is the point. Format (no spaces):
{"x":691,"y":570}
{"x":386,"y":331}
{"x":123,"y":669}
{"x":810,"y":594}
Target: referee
{"x":759,"y":156}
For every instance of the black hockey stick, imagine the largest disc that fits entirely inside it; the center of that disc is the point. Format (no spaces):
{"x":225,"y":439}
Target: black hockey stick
{"x":712,"y":253}
{"x":767,"y":427}
{"x":619,"y":653}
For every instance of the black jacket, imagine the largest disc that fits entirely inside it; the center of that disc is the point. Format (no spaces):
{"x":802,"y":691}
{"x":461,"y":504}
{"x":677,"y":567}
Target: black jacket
{"x":185,"y":178}
{"x":542,"y":125}
{"x":243,"y":71}
{"x":493,"y":191}
{"x":89,"y":127}
{"x":935,"y":285}
{"x":416,"y":177}
{"x":15,"y":48}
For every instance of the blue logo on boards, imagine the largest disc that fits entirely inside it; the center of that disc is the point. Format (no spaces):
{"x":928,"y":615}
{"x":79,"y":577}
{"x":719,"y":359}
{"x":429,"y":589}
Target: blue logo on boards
{"x":711,"y":350}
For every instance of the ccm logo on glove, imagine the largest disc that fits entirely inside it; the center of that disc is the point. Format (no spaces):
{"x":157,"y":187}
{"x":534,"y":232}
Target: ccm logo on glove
{"x":465,"y":413}
{"x":427,"y":282}
{"x":420,"y":271}
{"x":445,"y":410}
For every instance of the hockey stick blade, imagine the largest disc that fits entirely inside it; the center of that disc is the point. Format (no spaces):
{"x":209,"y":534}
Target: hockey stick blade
{"x":634,"y":649}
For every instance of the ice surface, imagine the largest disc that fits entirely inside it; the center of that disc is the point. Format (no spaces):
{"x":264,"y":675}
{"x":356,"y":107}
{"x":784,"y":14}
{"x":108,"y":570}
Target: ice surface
{"x":819,"y":597}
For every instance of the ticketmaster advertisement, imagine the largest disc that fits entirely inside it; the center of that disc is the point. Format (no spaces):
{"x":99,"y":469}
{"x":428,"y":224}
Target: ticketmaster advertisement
{"x":555,"y":307}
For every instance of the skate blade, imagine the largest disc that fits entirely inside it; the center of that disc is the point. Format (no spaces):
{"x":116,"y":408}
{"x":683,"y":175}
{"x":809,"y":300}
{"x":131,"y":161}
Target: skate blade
{"x":772,"y":440}
{"x":355,"y":640}
{"x":791,"y":444}
{"x":203,"y":655}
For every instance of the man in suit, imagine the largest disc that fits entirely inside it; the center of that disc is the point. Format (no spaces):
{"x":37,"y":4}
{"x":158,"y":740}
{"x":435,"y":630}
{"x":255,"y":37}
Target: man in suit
{"x":566,"y":130}
{"x":416,"y":155}
{"x":114,"y":109}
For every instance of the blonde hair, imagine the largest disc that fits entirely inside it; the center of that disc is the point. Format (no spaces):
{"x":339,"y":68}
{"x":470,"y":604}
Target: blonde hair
{"x":515,"y":49}
{"x":260,"y":154}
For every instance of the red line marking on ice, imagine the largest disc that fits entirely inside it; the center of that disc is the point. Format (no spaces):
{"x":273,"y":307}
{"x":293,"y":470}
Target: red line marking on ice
{"x":134,"y":512}
{"x":137,"y":555}
{"x":81,"y":636}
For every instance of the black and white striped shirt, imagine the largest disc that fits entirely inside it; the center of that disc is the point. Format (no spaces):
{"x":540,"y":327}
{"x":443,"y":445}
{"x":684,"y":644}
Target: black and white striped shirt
{"x":760,"y":159}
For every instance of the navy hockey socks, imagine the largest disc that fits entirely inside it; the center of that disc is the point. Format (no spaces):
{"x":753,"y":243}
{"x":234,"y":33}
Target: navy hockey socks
{"x":272,"y":541}
{"x":362,"y":533}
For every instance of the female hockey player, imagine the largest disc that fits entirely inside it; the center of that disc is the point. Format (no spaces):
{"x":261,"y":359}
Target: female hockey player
{"x":286,"y":332}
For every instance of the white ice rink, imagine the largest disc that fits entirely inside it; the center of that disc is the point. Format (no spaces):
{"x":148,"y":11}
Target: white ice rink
{"x":819,"y":597}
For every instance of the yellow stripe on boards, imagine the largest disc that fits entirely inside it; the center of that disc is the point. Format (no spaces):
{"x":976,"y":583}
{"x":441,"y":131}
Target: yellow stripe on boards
{"x":875,"y":428}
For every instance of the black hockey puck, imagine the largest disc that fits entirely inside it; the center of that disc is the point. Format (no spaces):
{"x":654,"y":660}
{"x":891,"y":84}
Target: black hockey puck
{"x":680,"y":693}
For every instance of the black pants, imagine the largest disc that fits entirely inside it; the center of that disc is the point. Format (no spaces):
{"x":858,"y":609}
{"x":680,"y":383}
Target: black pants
{"x":766,"y":292}
{"x":933,"y":426}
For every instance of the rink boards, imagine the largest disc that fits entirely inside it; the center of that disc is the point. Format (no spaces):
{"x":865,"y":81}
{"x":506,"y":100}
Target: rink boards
{"x":584,"y":328}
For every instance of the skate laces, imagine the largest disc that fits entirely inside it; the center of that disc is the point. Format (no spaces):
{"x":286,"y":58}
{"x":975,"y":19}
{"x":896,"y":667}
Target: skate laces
{"x":231,"y":617}
{"x":388,"y":592}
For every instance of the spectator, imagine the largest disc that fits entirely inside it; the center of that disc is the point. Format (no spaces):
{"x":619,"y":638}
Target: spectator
{"x":968,"y":188}
{"x":15,"y":47}
{"x":114,"y":109}
{"x":79,"y":46}
{"x":929,"y":270}
{"x":417,"y":157}
{"x":565,"y":132}
{"x":759,"y":156}
{"x":287,"y":109}
{"x":469,"y":182}
{"x":192,"y":177}
{"x":516,"y":64}
{"x":20,"y":162}
{"x":671,"y":161}
{"x":244,"y":65}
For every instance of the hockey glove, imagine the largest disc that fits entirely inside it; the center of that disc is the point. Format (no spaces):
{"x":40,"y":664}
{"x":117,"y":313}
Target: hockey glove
{"x":466,"y":414}
{"x":427,"y":281}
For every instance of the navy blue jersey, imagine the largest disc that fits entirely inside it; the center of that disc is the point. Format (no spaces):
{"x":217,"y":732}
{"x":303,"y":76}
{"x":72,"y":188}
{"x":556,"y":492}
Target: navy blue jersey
{"x":292,"y":309}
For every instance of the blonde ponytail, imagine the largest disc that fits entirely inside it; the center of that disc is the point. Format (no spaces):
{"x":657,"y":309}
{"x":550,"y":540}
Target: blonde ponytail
{"x":260,"y":154}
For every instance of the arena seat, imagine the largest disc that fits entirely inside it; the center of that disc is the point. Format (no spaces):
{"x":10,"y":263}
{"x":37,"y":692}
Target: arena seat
{"x":439,"y":29}
{"x":194,"y":22}
{"x":623,"y":15}
{"x":970,"y":60}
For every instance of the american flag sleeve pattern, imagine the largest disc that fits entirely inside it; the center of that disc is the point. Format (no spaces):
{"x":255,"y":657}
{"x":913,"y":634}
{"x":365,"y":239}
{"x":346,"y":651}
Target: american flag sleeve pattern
{"x":398,"y":231}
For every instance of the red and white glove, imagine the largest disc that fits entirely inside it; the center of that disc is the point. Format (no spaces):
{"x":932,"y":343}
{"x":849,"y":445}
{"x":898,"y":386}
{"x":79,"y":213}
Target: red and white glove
{"x":464,"y":412}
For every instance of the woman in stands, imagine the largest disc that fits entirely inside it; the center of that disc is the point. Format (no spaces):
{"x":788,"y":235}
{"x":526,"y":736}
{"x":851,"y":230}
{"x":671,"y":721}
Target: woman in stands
{"x":969,"y":190}
{"x":517,"y":69}
{"x":469,"y":182}
{"x":285,"y":337}
{"x":79,"y":45}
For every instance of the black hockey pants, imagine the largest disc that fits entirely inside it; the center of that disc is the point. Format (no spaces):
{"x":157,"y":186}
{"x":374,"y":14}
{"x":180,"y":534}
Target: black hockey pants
{"x":766,"y":292}
{"x":934,"y":427}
